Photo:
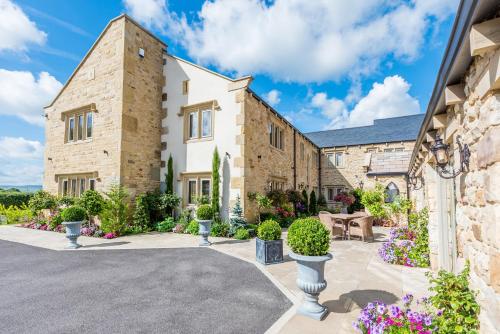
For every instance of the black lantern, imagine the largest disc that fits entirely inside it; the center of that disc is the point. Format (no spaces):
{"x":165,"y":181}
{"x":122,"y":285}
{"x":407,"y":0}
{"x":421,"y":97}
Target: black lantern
{"x":361,"y":184}
{"x":442,"y":155}
{"x":414,"y":181}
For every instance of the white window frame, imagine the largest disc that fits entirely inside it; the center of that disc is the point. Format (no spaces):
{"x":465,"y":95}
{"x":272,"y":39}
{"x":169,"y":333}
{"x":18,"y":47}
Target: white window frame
{"x":203,"y":113}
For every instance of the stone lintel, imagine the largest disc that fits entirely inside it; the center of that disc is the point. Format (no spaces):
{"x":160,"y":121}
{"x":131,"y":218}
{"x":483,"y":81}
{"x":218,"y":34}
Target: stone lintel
{"x":484,"y":36}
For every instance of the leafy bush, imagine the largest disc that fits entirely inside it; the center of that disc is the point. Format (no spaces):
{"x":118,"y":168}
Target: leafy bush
{"x":398,"y":209}
{"x":73,"y":214}
{"x":242,"y":234}
{"x":420,"y":251}
{"x":166,"y":226}
{"x":205,"y":212}
{"x":42,"y":200}
{"x":14,"y":214}
{"x":141,"y":217}
{"x":220,"y":229}
{"x":55,"y":221}
{"x":92,"y":202}
{"x":357,"y":205}
{"x":321,"y":200}
{"x":308,"y":237}
{"x":193,"y":227}
{"x":284,"y":215}
{"x":168,"y":203}
{"x":455,"y":300}
{"x":277,"y":197}
{"x":374,"y":201}
{"x":116,"y":212}
{"x":13,"y":197}
{"x":269,"y":230}
{"x":179,"y":228}
{"x":305,"y":200}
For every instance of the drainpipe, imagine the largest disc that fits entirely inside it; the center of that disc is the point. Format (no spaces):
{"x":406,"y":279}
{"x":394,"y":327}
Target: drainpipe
{"x":319,"y":171}
{"x":294,"y":160}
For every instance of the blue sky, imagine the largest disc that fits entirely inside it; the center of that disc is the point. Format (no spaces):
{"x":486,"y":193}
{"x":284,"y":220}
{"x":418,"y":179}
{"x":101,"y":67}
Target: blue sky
{"x":322,"y":64}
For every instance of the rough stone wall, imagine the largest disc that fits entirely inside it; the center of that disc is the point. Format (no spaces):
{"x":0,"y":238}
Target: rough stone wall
{"x":354,"y":171}
{"x":263,"y":162}
{"x":141,"y":121}
{"x":98,"y":80}
{"x":478,"y":191}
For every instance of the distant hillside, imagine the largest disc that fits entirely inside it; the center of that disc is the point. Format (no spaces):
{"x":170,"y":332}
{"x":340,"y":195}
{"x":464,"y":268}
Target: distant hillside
{"x":24,"y":188}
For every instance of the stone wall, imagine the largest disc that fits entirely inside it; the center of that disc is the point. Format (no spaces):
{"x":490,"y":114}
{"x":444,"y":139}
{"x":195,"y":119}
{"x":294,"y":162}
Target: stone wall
{"x":99,"y":80}
{"x":141,"y":121}
{"x":354,"y":170}
{"x":263,"y":162}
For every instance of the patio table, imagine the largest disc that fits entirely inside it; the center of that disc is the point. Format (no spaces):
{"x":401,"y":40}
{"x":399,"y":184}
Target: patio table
{"x":345,"y":218}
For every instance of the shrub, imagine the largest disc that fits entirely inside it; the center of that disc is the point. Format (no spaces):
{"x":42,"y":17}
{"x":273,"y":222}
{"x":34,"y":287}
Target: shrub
{"x":398,"y":209}
{"x":374,"y":201}
{"x":277,"y":197}
{"x":141,"y":217}
{"x":455,"y":300}
{"x":357,"y":205}
{"x":269,"y":230}
{"x":193,"y":227}
{"x":13,"y":197}
{"x":92,"y":202}
{"x":73,"y":214}
{"x":166,"y":226}
{"x":220,"y":229}
{"x":55,"y":221}
{"x":115,"y":214}
{"x":313,"y":208}
{"x":321,"y":200}
{"x":15,"y":215}
{"x":169,"y":177}
{"x":263,"y":202}
{"x":418,"y":224}
{"x":179,"y":228}
{"x":305,"y":199}
{"x":168,"y":203}
{"x":42,"y":200}
{"x":242,"y":234}
{"x":66,"y":201}
{"x":308,"y":237}
{"x":205,"y":212}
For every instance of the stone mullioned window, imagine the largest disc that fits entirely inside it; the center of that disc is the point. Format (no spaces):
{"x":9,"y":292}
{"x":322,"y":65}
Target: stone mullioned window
{"x":79,"y":123}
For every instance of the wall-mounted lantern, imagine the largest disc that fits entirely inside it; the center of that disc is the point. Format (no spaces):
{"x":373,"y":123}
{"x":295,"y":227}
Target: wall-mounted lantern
{"x":416,"y":182}
{"x":442,"y":155}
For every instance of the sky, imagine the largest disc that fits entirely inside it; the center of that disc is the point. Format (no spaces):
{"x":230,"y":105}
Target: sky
{"x":323,"y":64}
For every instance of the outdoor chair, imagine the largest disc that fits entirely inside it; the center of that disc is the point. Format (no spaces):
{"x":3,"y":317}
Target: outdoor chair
{"x":361,"y":227}
{"x":335,"y":229}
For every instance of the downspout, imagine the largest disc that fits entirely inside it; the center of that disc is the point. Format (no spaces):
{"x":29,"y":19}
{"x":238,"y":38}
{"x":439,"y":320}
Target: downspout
{"x":319,"y":171}
{"x":294,"y":160}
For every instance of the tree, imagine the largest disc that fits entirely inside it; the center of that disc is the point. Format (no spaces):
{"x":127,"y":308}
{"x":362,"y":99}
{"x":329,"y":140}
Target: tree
{"x":92,"y":202}
{"x":116,"y":213}
{"x":263,"y":202}
{"x":312,"y":203}
{"x":169,"y":177}
{"x":215,"y":182}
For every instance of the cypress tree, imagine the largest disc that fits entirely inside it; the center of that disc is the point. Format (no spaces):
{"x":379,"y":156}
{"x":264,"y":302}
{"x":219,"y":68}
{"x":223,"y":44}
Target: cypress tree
{"x":169,"y":177}
{"x":305,"y":199}
{"x":215,"y":182}
{"x":312,"y":203}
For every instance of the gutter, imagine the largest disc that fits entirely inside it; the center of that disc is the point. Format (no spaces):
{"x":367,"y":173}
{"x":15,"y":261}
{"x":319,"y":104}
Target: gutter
{"x":462,"y":24}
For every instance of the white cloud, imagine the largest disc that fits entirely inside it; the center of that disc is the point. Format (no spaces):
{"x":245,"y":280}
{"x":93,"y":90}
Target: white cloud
{"x":388,"y":99}
{"x":21,"y":161}
{"x":23,"y":96}
{"x":17,"y":31}
{"x":300,"y":40}
{"x":273,"y":97}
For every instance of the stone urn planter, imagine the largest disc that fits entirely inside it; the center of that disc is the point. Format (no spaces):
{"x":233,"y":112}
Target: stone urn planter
{"x":311,"y":280}
{"x":309,"y":241}
{"x":73,"y":217}
{"x":268,"y":244}
{"x":204,"y":216}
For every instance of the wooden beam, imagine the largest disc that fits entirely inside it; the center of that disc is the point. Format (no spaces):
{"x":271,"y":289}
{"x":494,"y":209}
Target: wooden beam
{"x":484,"y":37}
{"x":454,"y":94}
{"x":439,"y":121}
{"x":490,"y":79}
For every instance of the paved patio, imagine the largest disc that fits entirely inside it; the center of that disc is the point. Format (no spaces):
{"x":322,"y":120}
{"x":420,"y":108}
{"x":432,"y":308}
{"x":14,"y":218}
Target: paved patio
{"x":355,"y":276}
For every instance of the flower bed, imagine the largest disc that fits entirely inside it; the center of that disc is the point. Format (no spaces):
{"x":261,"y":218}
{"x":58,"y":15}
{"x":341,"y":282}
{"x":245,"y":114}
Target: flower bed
{"x":408,"y":246}
{"x":88,"y":231}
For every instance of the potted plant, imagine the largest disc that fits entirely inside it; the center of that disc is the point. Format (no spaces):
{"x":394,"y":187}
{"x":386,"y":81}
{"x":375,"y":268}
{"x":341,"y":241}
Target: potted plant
{"x":346,"y":199}
{"x":309,"y":241}
{"x":204,"y":216}
{"x":268,"y":244}
{"x":72,"y":219}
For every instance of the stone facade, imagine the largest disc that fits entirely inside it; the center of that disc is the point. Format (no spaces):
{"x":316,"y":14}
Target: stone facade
{"x":124,"y":92}
{"x":264,"y":164}
{"x":358,"y":163}
{"x":465,"y":211}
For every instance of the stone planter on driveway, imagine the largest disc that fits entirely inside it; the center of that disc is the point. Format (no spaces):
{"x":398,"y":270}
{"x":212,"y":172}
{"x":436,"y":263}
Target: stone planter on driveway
{"x":72,"y":233}
{"x":311,"y":280}
{"x":204,"y":231}
{"x":269,"y":251}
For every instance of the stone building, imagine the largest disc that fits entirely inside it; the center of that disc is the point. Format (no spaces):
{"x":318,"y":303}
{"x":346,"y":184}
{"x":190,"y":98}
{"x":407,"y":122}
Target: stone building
{"x":361,"y":157}
{"x":462,"y":189}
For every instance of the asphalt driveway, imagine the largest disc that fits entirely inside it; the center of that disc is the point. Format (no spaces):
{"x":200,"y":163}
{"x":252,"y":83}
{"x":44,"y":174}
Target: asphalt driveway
{"x":186,"y":290}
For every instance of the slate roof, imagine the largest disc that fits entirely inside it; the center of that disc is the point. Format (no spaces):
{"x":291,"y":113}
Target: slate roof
{"x":404,"y":128}
{"x":389,"y":163}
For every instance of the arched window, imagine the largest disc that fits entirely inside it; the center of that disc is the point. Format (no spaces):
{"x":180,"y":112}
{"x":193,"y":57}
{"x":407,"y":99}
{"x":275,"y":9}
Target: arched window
{"x":391,"y":191}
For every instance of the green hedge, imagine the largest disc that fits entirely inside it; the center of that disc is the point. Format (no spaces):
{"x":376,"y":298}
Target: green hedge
{"x":8,"y":198}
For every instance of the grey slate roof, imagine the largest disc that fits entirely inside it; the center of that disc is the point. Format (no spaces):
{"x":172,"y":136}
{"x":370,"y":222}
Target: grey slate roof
{"x":389,"y":163}
{"x":404,"y":128}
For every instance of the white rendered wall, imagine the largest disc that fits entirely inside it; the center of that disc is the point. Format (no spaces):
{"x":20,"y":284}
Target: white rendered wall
{"x":204,"y":86}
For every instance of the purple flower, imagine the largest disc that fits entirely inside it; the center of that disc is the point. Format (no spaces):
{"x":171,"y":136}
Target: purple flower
{"x":394,"y":309}
{"x":428,"y":320}
{"x":381,"y":308}
{"x":439,"y":313}
{"x":407,"y":299}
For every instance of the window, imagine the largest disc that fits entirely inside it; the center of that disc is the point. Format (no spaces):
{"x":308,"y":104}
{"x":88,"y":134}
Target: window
{"x":82,"y":186}
{"x":79,"y":123}
{"x":388,"y":150}
{"x":65,"y":188}
{"x":185,"y":87}
{"x":336,"y":159}
{"x":276,"y":185}
{"x":333,"y":191}
{"x":191,"y":198}
{"x":71,"y":129}
{"x":206,"y":116}
{"x":391,"y":192}
{"x":89,"y":125}
{"x":75,"y":185}
{"x":371,"y":150}
{"x":199,"y":121}
{"x":205,"y":187}
{"x":399,"y":149}
{"x":276,"y":136}
{"x":92,"y":184}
